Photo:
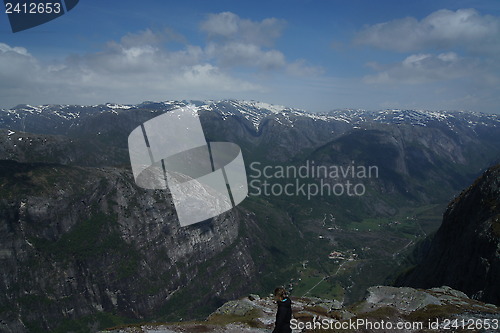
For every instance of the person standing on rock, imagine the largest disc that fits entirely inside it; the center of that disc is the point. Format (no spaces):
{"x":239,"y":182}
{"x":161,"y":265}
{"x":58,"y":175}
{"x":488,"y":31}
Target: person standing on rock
{"x":284,"y":314}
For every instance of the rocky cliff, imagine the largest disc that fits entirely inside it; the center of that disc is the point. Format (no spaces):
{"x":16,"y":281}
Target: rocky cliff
{"x":465,"y":252}
{"x":78,"y":241}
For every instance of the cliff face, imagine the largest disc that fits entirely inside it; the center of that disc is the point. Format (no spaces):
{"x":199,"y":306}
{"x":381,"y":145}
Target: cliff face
{"x":76,"y":241}
{"x":465,"y":252}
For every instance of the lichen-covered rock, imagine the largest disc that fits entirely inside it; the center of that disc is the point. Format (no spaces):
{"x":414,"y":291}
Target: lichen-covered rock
{"x":404,"y":299}
{"x":390,"y":304}
{"x":236,"y":308}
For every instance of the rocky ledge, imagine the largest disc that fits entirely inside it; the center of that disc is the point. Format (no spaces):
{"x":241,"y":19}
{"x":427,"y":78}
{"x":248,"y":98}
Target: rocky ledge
{"x":438,"y":310}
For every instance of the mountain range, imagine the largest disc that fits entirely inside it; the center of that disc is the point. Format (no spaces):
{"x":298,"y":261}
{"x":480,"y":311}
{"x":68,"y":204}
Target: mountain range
{"x":84,"y":248}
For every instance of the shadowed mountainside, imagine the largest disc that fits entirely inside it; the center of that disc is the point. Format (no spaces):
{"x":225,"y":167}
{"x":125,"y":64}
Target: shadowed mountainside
{"x":465,"y":251}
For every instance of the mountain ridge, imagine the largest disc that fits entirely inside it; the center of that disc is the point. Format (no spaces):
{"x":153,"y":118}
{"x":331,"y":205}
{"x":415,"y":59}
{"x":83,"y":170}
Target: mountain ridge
{"x":255,"y":112}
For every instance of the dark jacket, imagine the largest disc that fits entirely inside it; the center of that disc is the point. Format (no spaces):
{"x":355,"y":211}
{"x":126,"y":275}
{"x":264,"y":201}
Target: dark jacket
{"x":283,"y":317}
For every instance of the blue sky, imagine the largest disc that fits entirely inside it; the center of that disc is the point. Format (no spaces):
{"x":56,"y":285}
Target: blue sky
{"x":313,"y":54}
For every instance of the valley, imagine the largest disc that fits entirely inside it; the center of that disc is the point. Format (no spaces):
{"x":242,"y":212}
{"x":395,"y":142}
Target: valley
{"x":83,"y":246}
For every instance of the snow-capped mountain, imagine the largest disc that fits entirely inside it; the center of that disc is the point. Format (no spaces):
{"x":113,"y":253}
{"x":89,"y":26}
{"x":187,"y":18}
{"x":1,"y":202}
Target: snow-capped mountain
{"x":275,"y":132}
{"x":255,"y":113}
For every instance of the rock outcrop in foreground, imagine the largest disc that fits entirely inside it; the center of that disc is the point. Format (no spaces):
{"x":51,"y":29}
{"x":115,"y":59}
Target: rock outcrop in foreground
{"x":435,"y":310}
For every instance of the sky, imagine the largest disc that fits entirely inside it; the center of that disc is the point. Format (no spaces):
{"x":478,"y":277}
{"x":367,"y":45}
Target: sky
{"x":317,"y":55}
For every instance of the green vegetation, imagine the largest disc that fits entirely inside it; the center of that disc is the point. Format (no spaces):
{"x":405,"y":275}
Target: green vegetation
{"x":91,"y":238}
{"x":433,"y":311}
{"x":86,"y":324}
{"x":34,"y":300}
{"x":38,"y":179}
{"x":294,"y":230}
{"x":307,"y":282}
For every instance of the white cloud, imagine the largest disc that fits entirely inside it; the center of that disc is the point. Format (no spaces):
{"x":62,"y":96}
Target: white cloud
{"x":249,"y":55}
{"x":451,"y":58}
{"x":19,"y":72}
{"x":443,"y":29}
{"x":228,"y":26}
{"x":424,"y":67}
{"x":135,"y":69}
{"x":141,"y":66}
{"x":238,"y":42}
{"x":4,"y":48}
{"x":301,"y":68}
{"x":204,"y":76}
{"x":146,"y":37}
